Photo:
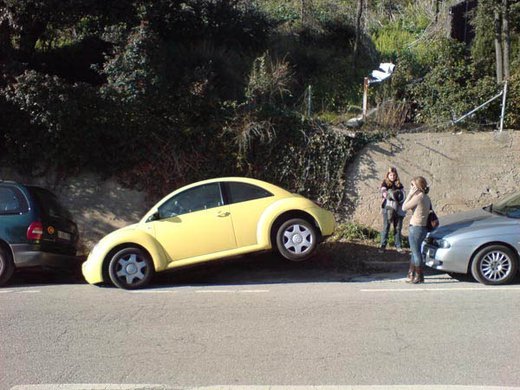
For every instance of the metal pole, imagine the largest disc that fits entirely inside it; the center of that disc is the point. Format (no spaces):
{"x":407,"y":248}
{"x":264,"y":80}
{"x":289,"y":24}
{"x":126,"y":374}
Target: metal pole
{"x":503,"y":113}
{"x":478,"y":108}
{"x":365,"y":97}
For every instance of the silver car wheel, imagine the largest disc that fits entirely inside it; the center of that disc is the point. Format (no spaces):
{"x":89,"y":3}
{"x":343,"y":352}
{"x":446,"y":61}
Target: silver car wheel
{"x":131,"y":268}
{"x":297,"y":239}
{"x":495,"y":266}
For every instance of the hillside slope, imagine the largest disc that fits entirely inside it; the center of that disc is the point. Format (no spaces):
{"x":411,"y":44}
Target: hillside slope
{"x":465,"y":171}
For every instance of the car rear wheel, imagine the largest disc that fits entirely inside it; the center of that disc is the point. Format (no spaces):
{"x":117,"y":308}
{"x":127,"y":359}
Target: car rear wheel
{"x":6,"y":266}
{"x":296,"y":239}
{"x":130,"y":268}
{"x":495,"y":264}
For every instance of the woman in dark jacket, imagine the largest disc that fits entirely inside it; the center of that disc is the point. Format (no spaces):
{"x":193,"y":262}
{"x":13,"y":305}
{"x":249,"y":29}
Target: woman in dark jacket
{"x":392,"y":194}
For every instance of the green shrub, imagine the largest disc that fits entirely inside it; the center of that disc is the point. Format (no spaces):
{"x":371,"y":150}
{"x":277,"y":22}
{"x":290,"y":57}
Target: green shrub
{"x":452,"y":87}
{"x":351,"y":231}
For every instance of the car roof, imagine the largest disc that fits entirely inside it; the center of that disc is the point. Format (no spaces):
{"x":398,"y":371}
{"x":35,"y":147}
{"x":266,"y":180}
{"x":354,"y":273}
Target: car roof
{"x":260,"y":183}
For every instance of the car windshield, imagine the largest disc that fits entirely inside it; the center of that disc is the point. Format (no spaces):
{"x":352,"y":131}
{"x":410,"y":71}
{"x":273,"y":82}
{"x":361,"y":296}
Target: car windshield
{"x":509,"y":206}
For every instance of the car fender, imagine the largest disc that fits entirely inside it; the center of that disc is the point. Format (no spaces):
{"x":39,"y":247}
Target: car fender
{"x":273,"y":211}
{"x":128,"y":236}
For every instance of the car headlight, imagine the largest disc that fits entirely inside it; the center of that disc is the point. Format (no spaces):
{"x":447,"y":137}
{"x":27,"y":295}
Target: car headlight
{"x":441,"y":243}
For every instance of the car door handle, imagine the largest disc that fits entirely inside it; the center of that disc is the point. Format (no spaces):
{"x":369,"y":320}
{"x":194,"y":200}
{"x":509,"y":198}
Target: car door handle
{"x":223,"y":213}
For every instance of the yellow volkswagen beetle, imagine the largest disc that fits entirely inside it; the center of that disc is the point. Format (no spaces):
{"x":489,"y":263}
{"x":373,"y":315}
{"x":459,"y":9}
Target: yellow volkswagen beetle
{"x":209,"y":220}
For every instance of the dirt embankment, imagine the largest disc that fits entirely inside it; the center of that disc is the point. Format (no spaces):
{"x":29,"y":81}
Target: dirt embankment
{"x":464,"y":171}
{"x":98,"y":206}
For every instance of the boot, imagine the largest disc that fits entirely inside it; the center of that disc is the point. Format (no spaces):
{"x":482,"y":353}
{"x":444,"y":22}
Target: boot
{"x":411,"y":273}
{"x":419,"y":277}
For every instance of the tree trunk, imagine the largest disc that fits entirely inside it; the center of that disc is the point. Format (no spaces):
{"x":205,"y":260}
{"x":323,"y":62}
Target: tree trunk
{"x":358,"y":29}
{"x":303,"y":15}
{"x":506,"y":43}
{"x":498,"y":47}
{"x":28,"y":38}
{"x":6,"y":48}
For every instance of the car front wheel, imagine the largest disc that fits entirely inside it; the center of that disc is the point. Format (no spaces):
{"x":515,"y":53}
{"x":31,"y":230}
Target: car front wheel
{"x":130,"y":268}
{"x":296,"y":239}
{"x":495,"y":264}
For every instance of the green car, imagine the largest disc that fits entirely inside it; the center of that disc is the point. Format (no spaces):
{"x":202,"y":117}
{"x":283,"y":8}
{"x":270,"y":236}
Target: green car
{"x":35,"y":230}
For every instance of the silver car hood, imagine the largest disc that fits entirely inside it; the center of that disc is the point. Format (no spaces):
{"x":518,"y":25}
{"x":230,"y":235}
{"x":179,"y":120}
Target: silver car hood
{"x":469,"y":221}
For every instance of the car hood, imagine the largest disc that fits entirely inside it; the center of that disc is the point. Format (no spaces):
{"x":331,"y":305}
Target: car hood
{"x":470,"y":221}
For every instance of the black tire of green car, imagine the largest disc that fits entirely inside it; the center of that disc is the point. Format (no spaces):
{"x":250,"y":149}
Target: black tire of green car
{"x":131,"y":268}
{"x":6,"y":266}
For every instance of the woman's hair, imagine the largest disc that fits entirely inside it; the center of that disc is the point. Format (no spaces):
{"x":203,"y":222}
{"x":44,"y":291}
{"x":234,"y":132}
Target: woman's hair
{"x":397,"y":181}
{"x":421,"y":184}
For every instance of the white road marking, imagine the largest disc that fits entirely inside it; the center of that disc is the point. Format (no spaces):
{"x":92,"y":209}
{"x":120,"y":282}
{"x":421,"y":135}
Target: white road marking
{"x":413,"y":289}
{"x":254,"y":387}
{"x":86,"y":386}
{"x":28,"y":292}
{"x":152,"y":292}
{"x":230,"y":291}
{"x":5,"y":291}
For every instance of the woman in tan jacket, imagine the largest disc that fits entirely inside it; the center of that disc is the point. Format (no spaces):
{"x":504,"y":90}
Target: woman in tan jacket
{"x":419,"y":202}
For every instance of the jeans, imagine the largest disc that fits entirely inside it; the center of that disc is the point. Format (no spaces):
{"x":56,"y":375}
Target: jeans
{"x":416,"y":235}
{"x":397,"y":223}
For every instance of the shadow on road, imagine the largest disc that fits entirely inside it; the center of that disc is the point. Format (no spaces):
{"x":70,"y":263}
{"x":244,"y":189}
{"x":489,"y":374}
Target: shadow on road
{"x":38,"y":277}
{"x":333,"y":262}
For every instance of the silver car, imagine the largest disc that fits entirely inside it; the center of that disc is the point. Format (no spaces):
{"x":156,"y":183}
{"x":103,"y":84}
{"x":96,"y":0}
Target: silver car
{"x":483,"y":243}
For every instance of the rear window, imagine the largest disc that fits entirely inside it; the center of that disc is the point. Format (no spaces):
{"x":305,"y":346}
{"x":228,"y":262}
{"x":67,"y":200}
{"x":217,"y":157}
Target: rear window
{"x":49,"y":204}
{"x":12,"y":201}
{"x":242,"y":192}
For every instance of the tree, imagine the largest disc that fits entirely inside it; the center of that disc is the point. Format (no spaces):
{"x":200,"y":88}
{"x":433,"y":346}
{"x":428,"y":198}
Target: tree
{"x":359,"y":16}
{"x":498,"y":47}
{"x":506,"y":45}
{"x":27,"y":21}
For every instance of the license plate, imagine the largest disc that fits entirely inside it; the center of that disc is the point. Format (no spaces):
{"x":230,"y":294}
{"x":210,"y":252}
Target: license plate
{"x":64,"y":235}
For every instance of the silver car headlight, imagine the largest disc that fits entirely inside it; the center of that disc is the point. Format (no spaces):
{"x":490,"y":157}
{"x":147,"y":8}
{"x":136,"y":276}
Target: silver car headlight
{"x":441,"y":243}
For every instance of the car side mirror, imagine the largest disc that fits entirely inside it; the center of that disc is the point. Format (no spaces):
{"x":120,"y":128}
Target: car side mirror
{"x":154,"y":217}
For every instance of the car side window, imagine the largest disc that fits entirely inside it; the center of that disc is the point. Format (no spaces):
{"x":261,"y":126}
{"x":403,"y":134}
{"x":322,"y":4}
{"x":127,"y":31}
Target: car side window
{"x":194,"y":199}
{"x":11,"y":201}
{"x":242,"y":192}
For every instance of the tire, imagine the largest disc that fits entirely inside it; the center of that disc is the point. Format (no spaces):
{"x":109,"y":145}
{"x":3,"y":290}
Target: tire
{"x":494,"y":265}
{"x":296,"y":239}
{"x":130,"y":268}
{"x":6,"y":266}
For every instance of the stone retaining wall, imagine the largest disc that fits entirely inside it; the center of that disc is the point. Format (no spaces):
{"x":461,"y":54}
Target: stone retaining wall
{"x":464,"y":170}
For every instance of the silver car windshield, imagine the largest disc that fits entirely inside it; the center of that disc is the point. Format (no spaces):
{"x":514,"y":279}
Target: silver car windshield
{"x":509,"y":207}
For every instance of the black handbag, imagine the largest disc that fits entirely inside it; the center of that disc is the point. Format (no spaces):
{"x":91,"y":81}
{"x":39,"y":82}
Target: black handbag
{"x":433,"y":221}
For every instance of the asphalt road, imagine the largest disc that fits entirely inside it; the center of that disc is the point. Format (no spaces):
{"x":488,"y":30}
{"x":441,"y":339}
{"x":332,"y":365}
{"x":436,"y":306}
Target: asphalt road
{"x":363,"y":332}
